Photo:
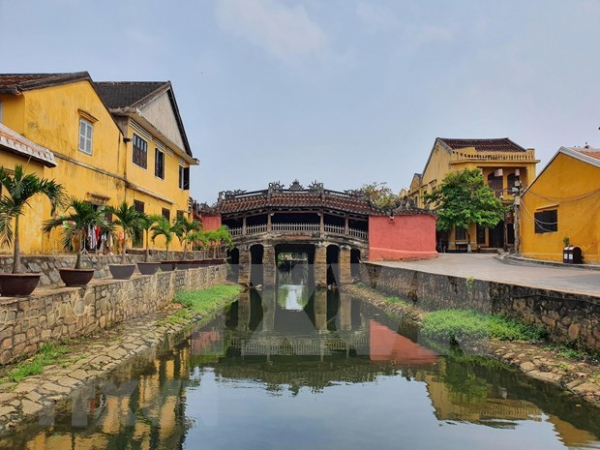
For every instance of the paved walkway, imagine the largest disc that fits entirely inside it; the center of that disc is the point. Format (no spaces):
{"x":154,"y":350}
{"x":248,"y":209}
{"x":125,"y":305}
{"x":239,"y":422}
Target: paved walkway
{"x":489,"y":268}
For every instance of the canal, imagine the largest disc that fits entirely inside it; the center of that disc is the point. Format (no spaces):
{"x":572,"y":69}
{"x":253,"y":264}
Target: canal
{"x":294,"y":369}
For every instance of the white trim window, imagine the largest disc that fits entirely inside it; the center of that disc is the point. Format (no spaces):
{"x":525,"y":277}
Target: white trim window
{"x":86,"y":132}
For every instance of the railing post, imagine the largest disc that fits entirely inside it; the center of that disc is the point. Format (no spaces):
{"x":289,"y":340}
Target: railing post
{"x":244,"y":226}
{"x":269,"y":225}
{"x":346,"y":226}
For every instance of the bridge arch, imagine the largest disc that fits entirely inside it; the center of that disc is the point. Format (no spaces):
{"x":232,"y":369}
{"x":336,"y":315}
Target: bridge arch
{"x":333,"y":265}
{"x":257,"y":252}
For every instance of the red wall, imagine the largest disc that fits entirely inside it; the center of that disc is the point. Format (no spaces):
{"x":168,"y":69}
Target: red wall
{"x":211,"y":222}
{"x":402,"y":237}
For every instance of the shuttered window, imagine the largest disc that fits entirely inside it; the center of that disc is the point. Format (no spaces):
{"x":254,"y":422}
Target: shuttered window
{"x":546,"y":221}
{"x":140,"y":151}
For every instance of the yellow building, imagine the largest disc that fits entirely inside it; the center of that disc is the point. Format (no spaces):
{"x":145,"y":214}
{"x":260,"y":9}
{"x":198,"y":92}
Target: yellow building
{"x":501,"y":161}
{"x":159,"y":157}
{"x":94,"y":146}
{"x":563,"y":202}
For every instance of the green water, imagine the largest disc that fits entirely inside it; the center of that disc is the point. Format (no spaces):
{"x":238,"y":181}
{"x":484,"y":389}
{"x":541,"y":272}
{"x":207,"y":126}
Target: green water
{"x":289,"y":369}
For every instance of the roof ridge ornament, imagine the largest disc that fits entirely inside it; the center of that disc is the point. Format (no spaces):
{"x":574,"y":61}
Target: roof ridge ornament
{"x":296,"y":186}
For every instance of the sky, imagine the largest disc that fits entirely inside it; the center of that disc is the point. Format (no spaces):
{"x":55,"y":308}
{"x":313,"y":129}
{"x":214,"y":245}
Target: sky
{"x":345,"y":92}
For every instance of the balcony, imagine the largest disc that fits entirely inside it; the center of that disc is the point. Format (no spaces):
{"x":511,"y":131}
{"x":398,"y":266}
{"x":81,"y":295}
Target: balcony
{"x":299,"y":228}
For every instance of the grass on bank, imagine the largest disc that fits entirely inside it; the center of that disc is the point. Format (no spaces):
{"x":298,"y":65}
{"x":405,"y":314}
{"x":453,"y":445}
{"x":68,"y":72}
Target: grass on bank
{"x":47,"y":355}
{"x":202,"y":302}
{"x":461,"y":324}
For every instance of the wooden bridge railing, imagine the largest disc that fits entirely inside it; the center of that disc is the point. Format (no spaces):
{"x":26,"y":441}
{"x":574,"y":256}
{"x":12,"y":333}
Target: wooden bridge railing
{"x":300,"y":228}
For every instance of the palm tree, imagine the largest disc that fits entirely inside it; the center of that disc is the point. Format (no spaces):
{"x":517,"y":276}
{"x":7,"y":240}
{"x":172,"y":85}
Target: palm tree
{"x":21,"y":188}
{"x":128,"y":218}
{"x":147,"y":222}
{"x":182,"y":228}
{"x":163,"y":228}
{"x":223,"y":237}
{"x":83,"y":216}
{"x":199,"y":238}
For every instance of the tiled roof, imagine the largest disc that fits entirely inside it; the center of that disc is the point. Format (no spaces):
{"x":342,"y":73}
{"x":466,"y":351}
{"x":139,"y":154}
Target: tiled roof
{"x":305,"y":199}
{"x":122,"y":94}
{"x":484,"y":145}
{"x":13,"y":142}
{"x":295,"y":200}
{"x":591,"y":152}
{"x":13,"y":83}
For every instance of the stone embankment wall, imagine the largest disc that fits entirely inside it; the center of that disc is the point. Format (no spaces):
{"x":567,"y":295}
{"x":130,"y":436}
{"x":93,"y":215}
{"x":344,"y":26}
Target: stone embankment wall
{"x":51,"y":315}
{"x":568,"y":317}
{"x":49,"y":265}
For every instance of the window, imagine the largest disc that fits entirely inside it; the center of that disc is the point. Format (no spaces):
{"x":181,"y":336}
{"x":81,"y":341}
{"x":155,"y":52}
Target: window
{"x":86,"y":130}
{"x":495,"y":184}
{"x":139,"y":206}
{"x":481,"y":235}
{"x":159,"y":164}
{"x":460,"y":234}
{"x":184,"y":178}
{"x":511,"y":180}
{"x":166,"y":214}
{"x":140,"y":151}
{"x":546,"y":221}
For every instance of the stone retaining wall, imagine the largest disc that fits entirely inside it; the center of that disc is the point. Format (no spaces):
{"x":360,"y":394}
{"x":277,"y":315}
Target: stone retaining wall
{"x":51,"y":315}
{"x":49,"y":265}
{"x":568,"y":317}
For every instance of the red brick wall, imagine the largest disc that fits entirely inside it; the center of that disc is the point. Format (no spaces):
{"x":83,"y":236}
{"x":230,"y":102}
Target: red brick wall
{"x":403,"y":237}
{"x":211,"y":222}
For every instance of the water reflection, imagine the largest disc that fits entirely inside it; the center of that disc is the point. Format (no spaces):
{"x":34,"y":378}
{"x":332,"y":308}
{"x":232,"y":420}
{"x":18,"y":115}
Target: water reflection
{"x":279,"y":369}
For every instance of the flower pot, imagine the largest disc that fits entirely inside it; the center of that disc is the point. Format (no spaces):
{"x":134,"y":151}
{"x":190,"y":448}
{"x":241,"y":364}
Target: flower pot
{"x":168,"y":266}
{"x":148,"y":268}
{"x":121,"y":271}
{"x":76,"y":277}
{"x":18,"y":284}
{"x":184,"y":264}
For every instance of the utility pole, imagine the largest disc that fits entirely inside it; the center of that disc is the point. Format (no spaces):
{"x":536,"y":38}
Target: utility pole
{"x":517,"y":204}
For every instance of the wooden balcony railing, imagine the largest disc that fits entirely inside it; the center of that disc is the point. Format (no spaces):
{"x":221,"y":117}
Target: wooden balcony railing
{"x":300,"y":228}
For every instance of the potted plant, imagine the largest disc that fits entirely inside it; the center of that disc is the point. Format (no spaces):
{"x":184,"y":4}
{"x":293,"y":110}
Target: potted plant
{"x":128,"y":218}
{"x":164,"y":228}
{"x":147,"y":223}
{"x":183,"y":228}
{"x":74,"y":225}
{"x":20,"y":188}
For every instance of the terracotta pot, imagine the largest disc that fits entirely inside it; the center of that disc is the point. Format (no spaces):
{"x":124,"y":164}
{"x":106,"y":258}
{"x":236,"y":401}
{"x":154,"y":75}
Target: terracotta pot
{"x":121,"y":271}
{"x":184,"y":264}
{"x":18,"y":284}
{"x":168,"y":266}
{"x":76,"y":277}
{"x":148,"y":268}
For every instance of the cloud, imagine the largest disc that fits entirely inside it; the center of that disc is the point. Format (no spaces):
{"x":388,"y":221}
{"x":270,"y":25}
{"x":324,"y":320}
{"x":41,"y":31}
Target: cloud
{"x":285,"y":32}
{"x":376,"y":18}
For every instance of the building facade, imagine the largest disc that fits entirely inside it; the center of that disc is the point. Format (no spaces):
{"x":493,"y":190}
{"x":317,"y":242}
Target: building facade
{"x":92,"y":149}
{"x":563,"y":202}
{"x":501,"y":162}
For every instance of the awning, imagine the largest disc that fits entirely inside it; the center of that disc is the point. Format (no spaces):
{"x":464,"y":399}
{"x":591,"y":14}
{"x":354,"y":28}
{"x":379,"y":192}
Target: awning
{"x":13,"y":142}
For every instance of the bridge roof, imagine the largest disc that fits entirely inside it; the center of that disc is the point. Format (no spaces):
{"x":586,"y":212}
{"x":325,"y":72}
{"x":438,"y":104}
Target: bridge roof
{"x":296,"y":197}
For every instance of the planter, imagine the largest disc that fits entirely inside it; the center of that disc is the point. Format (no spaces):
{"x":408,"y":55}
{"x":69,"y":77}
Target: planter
{"x":168,"y":266}
{"x":76,"y":277}
{"x":18,"y":284}
{"x":184,"y":265}
{"x":148,"y":268}
{"x":121,"y":271}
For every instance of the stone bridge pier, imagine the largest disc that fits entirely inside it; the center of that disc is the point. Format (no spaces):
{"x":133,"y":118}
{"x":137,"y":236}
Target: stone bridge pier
{"x":328,"y":263}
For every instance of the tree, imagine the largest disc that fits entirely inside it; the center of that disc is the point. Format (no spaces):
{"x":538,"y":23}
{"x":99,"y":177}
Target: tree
{"x":20,"y":189}
{"x":147,"y":222}
{"x":463,"y":199}
{"x":380,"y":195}
{"x":128,"y":218}
{"x":163,"y":228}
{"x":182,"y":228}
{"x":75,"y":224}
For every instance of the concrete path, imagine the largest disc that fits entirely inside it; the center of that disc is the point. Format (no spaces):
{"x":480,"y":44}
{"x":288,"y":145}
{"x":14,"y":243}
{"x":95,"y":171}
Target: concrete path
{"x":489,"y":268}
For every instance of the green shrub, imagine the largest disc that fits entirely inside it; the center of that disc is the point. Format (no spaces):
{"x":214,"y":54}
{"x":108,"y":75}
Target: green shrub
{"x":459,"y":324}
{"x":204,"y":301}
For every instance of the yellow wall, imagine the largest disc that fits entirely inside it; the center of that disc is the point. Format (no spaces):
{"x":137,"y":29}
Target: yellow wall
{"x":574,"y":187}
{"x":50,"y":117}
{"x":144,"y":181}
{"x":442,"y":162}
{"x":31,"y":223}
